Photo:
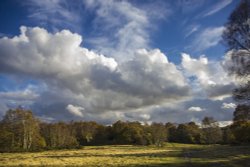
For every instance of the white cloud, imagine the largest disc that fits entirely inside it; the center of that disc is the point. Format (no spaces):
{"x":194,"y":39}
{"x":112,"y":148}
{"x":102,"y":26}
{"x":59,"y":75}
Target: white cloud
{"x":190,"y":5}
{"x":55,"y":14}
{"x":207,"y":39}
{"x":80,"y":77}
{"x":195,"y":109}
{"x":217,"y":7}
{"x":191,"y":30}
{"x":130,"y":26}
{"x":75,"y":110}
{"x":210,"y":77}
{"x":19,"y":95}
{"x":137,"y":115}
{"x":128,"y":23}
{"x":92,"y":86}
{"x":228,"y":106}
{"x":224,"y":123}
{"x":45,"y":118}
{"x":45,"y":50}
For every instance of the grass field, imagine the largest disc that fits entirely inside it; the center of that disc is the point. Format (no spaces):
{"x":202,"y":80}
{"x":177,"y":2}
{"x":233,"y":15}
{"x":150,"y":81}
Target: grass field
{"x":170,"y":155}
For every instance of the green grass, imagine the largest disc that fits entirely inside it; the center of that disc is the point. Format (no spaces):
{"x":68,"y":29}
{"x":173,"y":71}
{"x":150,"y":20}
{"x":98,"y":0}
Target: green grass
{"x":171,"y":155}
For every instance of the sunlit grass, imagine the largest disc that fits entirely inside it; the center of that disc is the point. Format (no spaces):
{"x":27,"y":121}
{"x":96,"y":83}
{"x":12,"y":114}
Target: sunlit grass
{"x":169,"y":155}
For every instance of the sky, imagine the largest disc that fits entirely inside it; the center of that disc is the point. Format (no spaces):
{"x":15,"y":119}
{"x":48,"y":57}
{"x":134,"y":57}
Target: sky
{"x":108,"y":60}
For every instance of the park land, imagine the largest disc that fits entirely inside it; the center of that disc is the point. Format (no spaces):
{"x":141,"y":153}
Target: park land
{"x":171,"y":155}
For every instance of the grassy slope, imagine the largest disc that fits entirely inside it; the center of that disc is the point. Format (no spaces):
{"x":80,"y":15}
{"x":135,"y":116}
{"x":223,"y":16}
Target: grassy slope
{"x":171,"y":155}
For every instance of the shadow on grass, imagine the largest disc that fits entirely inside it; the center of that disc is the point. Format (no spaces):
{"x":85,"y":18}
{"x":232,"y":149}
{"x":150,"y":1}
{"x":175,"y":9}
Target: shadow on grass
{"x":218,"y":151}
{"x":242,"y":162}
{"x":207,"y":156}
{"x":135,"y":155}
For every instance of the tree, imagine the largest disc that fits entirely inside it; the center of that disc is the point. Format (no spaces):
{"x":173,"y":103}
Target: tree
{"x":211,"y":131}
{"x":171,"y":132}
{"x":237,"y":30}
{"x":22,"y":130}
{"x":58,"y":135}
{"x":102,"y":135}
{"x":228,"y":136}
{"x":182,"y":134}
{"x":188,"y":133}
{"x":237,"y":38}
{"x":85,"y":131}
{"x":242,"y":95}
{"x":195,"y":133}
{"x":159,"y":134}
{"x":118,"y":129}
{"x":242,"y":113}
{"x":5,"y":138}
{"x":130,"y":133}
{"x":241,"y":131}
{"x":208,"y":122}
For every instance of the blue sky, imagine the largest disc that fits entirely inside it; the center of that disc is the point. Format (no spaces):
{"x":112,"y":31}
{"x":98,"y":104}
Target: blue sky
{"x":182,"y":23}
{"x":99,"y":60}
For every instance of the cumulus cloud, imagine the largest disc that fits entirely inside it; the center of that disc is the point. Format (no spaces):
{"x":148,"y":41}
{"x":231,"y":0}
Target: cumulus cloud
{"x":210,"y":76}
{"x":128,"y":22}
{"x":75,"y":110}
{"x":195,"y":109}
{"x":228,"y":106}
{"x":80,"y":77}
{"x":125,"y":82}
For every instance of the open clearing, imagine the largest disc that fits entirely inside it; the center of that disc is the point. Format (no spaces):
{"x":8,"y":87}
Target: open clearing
{"x":170,"y":155}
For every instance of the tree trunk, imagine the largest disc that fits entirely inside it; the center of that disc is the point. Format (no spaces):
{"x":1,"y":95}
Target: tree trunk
{"x":24,"y":135}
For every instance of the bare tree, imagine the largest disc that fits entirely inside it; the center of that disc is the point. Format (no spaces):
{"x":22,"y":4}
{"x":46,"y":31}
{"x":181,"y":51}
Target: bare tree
{"x":237,"y":38}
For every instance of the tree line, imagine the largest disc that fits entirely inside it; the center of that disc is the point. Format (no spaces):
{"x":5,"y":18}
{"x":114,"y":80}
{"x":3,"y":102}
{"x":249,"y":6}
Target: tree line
{"x":21,"y":131}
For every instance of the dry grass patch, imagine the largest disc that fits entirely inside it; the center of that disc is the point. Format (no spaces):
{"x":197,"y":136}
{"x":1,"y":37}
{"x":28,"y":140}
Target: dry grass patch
{"x":171,"y":155}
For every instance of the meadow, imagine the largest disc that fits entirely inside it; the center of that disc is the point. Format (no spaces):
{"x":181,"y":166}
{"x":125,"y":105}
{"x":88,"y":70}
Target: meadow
{"x":171,"y":155}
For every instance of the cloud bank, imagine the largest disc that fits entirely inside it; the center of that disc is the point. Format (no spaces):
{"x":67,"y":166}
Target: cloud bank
{"x":77,"y":83}
{"x":81,"y":82}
